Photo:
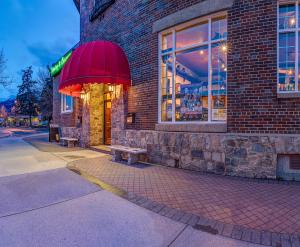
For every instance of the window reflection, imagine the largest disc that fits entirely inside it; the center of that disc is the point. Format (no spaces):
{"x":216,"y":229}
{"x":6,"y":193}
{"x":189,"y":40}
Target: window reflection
{"x":167,"y":42}
{"x":192,"y":85}
{"x":287,"y":16}
{"x":287,"y":53}
{"x":199,"y":79}
{"x":219,"y":28}
{"x":219,"y":81}
{"x":191,"y":36}
{"x":166,"y":87}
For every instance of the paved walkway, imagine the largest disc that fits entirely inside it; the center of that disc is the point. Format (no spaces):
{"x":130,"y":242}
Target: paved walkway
{"x":56,"y":207}
{"x":264,"y":207}
{"x":18,"y":156}
{"x":4,"y":133}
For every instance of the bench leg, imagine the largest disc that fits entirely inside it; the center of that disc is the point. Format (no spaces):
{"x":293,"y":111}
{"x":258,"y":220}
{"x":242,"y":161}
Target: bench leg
{"x":117,"y":155}
{"x":70,"y":144}
{"x":132,"y":158}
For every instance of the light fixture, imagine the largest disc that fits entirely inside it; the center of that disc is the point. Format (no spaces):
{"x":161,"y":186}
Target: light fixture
{"x":292,"y":21}
{"x":224,"y":48}
{"x":201,"y":52}
{"x":110,"y":88}
{"x":82,"y":94}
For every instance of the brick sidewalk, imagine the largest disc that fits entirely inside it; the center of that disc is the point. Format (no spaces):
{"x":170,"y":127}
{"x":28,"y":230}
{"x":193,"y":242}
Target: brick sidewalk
{"x":256,"y":205}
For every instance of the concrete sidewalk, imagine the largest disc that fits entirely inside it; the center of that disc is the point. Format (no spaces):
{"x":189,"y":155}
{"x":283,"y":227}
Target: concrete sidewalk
{"x":101,"y":219}
{"x":19,"y":157}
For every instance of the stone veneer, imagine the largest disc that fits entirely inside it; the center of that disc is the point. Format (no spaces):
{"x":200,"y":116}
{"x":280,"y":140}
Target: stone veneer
{"x":243,"y":155}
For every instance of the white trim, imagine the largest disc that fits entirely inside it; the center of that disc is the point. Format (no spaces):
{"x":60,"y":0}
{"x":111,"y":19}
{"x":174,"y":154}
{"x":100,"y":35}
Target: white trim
{"x":296,"y":31}
{"x":174,"y":51}
{"x":63,"y":103}
{"x":159,"y":76}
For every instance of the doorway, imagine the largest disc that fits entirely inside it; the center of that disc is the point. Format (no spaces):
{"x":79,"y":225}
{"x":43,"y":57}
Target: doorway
{"x":107,"y":118}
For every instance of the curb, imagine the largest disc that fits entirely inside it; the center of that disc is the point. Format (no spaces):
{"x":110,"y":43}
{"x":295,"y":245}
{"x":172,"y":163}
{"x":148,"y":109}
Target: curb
{"x":199,"y":222}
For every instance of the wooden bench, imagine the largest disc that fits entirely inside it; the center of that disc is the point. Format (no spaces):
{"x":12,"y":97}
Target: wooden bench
{"x":69,"y":142}
{"x":133,"y":153}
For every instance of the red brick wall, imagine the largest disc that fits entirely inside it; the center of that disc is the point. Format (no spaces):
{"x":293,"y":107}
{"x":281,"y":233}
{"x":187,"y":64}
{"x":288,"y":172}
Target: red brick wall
{"x":65,"y":119}
{"x":129,"y":23}
{"x":252,"y":81}
{"x":252,"y":66}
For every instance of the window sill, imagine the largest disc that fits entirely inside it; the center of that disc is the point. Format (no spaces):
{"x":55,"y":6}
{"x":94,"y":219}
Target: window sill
{"x":66,"y":112}
{"x":192,"y":127}
{"x":288,"y":95}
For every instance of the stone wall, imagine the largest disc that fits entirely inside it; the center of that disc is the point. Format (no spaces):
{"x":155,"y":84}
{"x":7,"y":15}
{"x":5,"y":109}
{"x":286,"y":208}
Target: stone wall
{"x":242,"y":155}
{"x":71,"y":132}
{"x":93,"y":115}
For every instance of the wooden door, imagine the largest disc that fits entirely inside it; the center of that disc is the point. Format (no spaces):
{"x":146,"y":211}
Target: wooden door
{"x":107,"y":122}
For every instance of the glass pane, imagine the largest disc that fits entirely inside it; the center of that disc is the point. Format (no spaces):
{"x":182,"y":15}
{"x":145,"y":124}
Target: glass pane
{"x":219,"y":28}
{"x":166,"y":88}
{"x":219,"y":81}
{"x":69,"y":103}
{"x":286,"y":70}
{"x":191,"y":36}
{"x":287,"y":16}
{"x":192,"y":85}
{"x":167,"y":42}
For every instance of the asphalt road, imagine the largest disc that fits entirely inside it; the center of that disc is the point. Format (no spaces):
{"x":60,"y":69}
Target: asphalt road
{"x":44,"y":204}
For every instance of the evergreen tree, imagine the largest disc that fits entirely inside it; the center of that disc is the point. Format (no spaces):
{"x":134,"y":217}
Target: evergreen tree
{"x":46,"y":96}
{"x":27,"y":100}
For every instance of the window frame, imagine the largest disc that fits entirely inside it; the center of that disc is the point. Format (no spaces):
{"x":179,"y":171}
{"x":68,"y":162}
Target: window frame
{"x":174,"y":51}
{"x":296,"y":31}
{"x":63,"y":104}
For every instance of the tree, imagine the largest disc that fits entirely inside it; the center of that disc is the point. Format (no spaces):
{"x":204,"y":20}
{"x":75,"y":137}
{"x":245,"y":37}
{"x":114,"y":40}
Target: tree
{"x":3,"y":78}
{"x":46,"y":95}
{"x":3,"y":112}
{"x":27,"y":100}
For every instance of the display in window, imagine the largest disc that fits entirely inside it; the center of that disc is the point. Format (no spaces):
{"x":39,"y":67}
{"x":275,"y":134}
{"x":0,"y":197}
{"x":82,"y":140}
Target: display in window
{"x":286,"y":70}
{"x":192,"y":85}
{"x":166,"y":88}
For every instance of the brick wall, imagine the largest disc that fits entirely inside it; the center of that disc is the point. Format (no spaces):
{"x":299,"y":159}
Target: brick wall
{"x":252,"y":81}
{"x":65,"y":119}
{"x":252,"y":66}
{"x":129,"y":24}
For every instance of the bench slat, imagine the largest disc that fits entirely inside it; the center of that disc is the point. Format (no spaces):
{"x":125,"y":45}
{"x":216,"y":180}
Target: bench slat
{"x":128,"y":149}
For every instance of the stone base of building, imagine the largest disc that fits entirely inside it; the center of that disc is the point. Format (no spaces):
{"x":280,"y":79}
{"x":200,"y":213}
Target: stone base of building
{"x":244,"y":155}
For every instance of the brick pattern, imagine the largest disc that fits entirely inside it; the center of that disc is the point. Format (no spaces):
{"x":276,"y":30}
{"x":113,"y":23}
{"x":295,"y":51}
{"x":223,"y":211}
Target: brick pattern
{"x":252,"y":72}
{"x":129,"y":24}
{"x":65,"y":119}
{"x":261,"y":206}
{"x":258,"y":211}
{"x":253,"y":106}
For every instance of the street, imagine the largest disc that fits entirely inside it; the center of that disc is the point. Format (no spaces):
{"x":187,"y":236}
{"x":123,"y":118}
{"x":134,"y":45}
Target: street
{"x":44,"y":204}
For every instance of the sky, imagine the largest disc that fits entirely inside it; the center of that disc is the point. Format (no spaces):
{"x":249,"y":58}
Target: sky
{"x":37,"y":33}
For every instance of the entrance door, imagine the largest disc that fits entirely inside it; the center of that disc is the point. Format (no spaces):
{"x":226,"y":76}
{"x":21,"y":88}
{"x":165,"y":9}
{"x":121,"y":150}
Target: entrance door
{"x":107,"y":120}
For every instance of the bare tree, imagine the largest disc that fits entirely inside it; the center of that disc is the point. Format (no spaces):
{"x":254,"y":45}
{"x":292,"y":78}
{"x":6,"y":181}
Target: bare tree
{"x":4,"y":80}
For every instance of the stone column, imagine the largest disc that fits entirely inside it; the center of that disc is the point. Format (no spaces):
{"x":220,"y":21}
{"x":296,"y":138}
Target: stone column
{"x":93,"y":115}
{"x":118,"y":115}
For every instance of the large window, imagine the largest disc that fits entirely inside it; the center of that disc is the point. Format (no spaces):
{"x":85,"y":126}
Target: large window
{"x":193,"y":72}
{"x":288,"y":47}
{"x":66,"y":104}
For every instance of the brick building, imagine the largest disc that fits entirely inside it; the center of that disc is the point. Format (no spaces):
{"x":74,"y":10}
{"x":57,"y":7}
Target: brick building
{"x":214,"y":84}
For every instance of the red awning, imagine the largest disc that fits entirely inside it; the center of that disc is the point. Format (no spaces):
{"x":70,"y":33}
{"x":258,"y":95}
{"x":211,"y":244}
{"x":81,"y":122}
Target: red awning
{"x":95,"y":62}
